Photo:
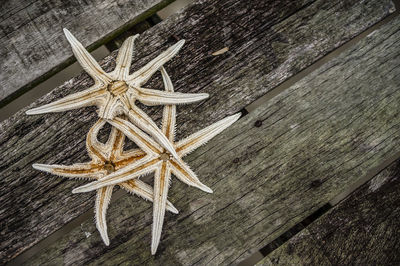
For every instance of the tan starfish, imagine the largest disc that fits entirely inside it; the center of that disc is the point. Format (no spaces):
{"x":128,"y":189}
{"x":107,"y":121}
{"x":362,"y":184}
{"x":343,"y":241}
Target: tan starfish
{"x":161,"y":162}
{"x":115,"y":92}
{"x":106,"y":158}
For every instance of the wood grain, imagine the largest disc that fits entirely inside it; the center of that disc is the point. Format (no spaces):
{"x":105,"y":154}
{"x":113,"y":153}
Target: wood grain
{"x":138,"y":28}
{"x":269,"y":41}
{"x":33,"y":46}
{"x":328,"y":129}
{"x":361,"y":230}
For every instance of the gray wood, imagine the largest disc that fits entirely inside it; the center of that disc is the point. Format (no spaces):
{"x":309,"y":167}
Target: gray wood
{"x":139,"y":28}
{"x":361,"y":230}
{"x":268,"y":43}
{"x":33,"y":46}
{"x":269,"y":171}
{"x":297,"y":252}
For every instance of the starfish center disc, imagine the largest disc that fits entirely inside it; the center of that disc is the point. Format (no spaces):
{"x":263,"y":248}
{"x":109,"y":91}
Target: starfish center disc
{"x":117,"y":87}
{"x":165,"y":156}
{"x":109,"y":167}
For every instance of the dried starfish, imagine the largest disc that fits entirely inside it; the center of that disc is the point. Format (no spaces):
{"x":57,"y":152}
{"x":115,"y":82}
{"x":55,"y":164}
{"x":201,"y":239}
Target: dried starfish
{"x":115,"y":92}
{"x":158,"y":160}
{"x":106,"y":158}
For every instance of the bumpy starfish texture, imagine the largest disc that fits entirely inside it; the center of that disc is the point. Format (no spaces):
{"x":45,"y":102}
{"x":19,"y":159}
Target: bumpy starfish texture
{"x":115,"y":93}
{"x":160,"y":161}
{"x":106,"y":158}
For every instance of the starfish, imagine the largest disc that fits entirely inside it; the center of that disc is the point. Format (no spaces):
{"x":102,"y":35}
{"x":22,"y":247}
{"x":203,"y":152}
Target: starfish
{"x":106,"y":158}
{"x":116,"y":92}
{"x":160,"y":161}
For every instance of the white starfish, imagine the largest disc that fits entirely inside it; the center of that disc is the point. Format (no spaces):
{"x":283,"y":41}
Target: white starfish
{"x":160,"y":161}
{"x":106,"y":158}
{"x":115,"y":93}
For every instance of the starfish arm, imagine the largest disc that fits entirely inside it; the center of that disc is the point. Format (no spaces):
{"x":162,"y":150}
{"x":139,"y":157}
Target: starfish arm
{"x":201,"y":137}
{"x":161,"y":185}
{"x":136,"y":169}
{"x":84,"y":98}
{"x":169,"y":112}
{"x":115,"y":144}
{"x":182,"y":171}
{"x":127,"y":157}
{"x":124,"y":59}
{"x":141,"y":76}
{"x":86,"y":60}
{"x":144,"y":142}
{"x":103,"y":198}
{"x":140,"y":188}
{"x":143,"y":121}
{"x":79,"y":170}
{"x":155,"y":97}
{"x":96,"y":150}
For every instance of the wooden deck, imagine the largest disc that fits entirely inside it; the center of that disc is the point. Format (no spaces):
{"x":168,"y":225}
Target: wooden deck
{"x":271,"y":170}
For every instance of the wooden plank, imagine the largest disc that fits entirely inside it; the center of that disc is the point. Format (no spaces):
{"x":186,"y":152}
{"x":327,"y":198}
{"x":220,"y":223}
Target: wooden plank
{"x":297,"y":252}
{"x":361,"y":230}
{"x":59,"y":138}
{"x":269,"y":171}
{"x":33,"y":46}
{"x":139,"y":28}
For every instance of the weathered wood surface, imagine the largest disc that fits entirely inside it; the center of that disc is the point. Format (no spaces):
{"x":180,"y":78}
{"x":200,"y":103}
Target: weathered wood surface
{"x":139,"y":28}
{"x":269,"y":171}
{"x":269,"y":41}
{"x":33,"y":45}
{"x":361,"y":230}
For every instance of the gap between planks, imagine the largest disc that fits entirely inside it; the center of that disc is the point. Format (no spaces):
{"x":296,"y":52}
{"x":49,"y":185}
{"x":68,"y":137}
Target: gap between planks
{"x":292,"y":80}
{"x":248,"y":109}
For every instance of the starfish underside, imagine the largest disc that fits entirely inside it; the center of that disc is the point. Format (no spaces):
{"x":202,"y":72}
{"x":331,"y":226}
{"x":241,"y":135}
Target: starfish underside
{"x":159,"y":161}
{"x":116,"y":92}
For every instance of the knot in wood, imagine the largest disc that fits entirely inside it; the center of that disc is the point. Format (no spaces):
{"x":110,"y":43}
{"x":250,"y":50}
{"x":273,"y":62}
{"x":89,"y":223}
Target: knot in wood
{"x":165,"y":156}
{"x":316,"y":183}
{"x":109,"y":167}
{"x":117,"y":87}
{"x":258,"y":123}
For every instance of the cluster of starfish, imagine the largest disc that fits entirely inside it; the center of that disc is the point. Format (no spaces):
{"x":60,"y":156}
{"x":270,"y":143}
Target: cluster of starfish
{"x":115,"y":94}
